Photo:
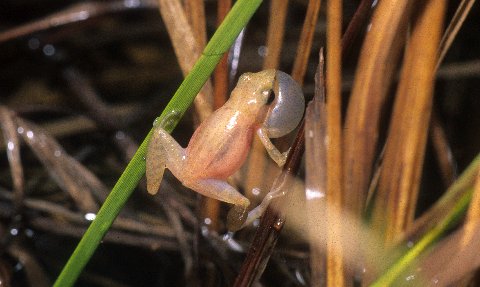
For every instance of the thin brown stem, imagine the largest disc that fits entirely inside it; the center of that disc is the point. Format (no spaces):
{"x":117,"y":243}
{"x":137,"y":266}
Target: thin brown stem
{"x":272,"y":221}
{"x":334,"y":206}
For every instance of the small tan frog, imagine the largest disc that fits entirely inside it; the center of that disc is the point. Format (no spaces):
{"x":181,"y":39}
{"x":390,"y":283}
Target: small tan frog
{"x":269,"y":103}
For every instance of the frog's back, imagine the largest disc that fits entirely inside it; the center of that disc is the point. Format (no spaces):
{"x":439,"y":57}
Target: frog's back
{"x":220,"y":145}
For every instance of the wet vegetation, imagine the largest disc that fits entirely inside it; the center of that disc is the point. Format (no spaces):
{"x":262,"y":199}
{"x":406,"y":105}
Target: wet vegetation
{"x":381,"y":183}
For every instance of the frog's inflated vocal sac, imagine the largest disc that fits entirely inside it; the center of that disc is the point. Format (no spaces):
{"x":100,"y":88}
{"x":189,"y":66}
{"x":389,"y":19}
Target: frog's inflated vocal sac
{"x":269,"y":103}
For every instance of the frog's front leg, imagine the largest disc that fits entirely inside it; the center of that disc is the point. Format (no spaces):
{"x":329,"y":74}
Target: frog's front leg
{"x":274,"y":153}
{"x":221,"y":190}
{"x":163,"y":152}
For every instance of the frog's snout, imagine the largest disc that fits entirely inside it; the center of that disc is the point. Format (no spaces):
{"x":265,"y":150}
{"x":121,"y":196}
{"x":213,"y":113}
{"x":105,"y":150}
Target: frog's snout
{"x":287,"y":108}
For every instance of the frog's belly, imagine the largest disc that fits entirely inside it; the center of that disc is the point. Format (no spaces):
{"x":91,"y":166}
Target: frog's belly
{"x":219,"y":160}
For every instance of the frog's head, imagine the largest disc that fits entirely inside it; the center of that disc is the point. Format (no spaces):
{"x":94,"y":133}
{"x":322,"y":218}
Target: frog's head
{"x":253,"y":90}
{"x":285,"y":108}
{"x":273,"y":97}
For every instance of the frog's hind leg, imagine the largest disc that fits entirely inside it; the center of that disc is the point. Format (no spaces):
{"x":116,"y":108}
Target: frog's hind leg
{"x":163,"y":151}
{"x":221,"y":190}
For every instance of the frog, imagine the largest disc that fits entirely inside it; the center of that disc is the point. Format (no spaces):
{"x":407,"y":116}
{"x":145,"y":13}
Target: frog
{"x":268,"y":103}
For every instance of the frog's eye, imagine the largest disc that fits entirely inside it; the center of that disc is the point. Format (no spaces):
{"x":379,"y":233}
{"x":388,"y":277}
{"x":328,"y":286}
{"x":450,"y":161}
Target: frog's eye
{"x":286,"y":109}
{"x":271,"y":97}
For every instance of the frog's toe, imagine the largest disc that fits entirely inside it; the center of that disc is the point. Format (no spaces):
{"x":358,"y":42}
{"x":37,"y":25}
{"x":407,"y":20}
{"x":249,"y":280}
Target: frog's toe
{"x":236,"y":217}
{"x":154,"y":179}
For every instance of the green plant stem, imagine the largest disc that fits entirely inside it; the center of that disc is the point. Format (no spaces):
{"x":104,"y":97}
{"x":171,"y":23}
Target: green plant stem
{"x":221,"y":41}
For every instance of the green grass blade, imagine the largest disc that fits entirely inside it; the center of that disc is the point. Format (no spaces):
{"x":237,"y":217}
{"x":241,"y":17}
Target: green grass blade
{"x":221,"y":41}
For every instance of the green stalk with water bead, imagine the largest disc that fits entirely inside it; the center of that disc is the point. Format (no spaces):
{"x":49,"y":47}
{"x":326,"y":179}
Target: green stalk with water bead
{"x":221,"y":41}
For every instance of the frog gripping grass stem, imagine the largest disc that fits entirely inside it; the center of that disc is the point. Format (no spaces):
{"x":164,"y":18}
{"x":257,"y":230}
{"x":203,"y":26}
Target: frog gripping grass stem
{"x":220,"y":145}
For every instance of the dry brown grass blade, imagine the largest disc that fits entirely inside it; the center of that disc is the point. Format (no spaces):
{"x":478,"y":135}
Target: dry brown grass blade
{"x":272,"y":221}
{"x":305,"y":41}
{"x":65,"y":170}
{"x":58,"y":211}
{"x":458,"y":253}
{"x":377,"y":62}
{"x":405,"y":149}
{"x":186,"y":49}
{"x":180,"y":234}
{"x":452,"y":259}
{"x":335,"y":254}
{"x":472,"y":220}
{"x":125,"y":238}
{"x":275,"y":32}
{"x":443,"y":152}
{"x":358,"y":22}
{"x":459,"y":70}
{"x":221,"y":71}
{"x":316,"y":177}
{"x":257,"y":161}
{"x":436,"y":213}
{"x":75,"y":13}
{"x":211,"y":206}
{"x":80,"y":124}
{"x":36,"y":276}
{"x":439,"y":140}
{"x":9,"y":130}
{"x":195,"y":11}
{"x":453,"y":27}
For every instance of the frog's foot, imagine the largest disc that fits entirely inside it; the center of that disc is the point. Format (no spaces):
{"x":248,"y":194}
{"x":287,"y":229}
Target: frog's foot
{"x":258,"y":211}
{"x":236,"y":217}
{"x":277,"y":156}
{"x":221,"y":190}
{"x":163,"y":151}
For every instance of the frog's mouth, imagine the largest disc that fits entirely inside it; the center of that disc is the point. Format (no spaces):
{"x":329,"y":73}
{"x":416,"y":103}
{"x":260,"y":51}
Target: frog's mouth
{"x":286,"y":106}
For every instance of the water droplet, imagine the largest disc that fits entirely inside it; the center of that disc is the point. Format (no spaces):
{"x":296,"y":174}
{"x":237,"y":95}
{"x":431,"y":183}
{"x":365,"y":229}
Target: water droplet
{"x":204,"y":230}
{"x":262,"y":51}
{"x":18,"y":267}
{"x":278,"y":225}
{"x":207,"y":221}
{"x":57,"y":153}
{"x":33,"y":43}
{"x":14,"y":231}
{"x":30,"y":134}
{"x":10,"y":145}
{"x":120,"y":135}
{"x":48,"y":50}
{"x":90,"y":216}
{"x":29,"y":233}
{"x":156,"y":121}
{"x":20,"y":130}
